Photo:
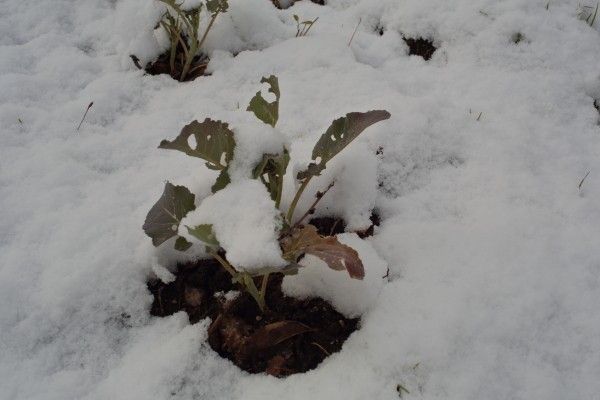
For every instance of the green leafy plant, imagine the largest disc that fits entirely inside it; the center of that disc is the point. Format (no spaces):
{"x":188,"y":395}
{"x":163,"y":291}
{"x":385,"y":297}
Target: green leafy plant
{"x":303,"y":27}
{"x":215,"y":144}
{"x":182,"y":28}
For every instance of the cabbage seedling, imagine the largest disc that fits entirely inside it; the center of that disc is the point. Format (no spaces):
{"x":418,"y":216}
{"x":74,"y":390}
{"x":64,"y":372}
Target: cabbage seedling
{"x":215,"y":144}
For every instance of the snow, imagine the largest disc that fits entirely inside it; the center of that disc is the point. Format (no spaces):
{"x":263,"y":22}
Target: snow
{"x":245,"y":222}
{"x":351,"y":297}
{"x":492,"y":246}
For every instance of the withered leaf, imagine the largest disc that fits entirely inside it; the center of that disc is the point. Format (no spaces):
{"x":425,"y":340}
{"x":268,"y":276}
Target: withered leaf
{"x":162,"y":221}
{"x":338,"y":256}
{"x":272,"y":334}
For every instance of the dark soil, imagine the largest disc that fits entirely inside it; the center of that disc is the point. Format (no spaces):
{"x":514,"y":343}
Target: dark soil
{"x":291,"y":336}
{"x":330,"y":226}
{"x":277,"y":4}
{"x":162,"y":65}
{"x":420,"y":47}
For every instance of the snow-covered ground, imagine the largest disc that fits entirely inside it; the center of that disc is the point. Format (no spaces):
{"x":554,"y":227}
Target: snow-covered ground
{"x":493,"y":249}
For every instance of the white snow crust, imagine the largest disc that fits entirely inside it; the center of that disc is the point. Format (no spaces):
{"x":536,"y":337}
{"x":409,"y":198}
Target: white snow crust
{"x":493,"y":245}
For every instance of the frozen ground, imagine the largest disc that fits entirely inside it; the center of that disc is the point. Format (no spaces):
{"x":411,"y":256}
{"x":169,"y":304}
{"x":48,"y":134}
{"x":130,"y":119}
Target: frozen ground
{"x":493,"y":250}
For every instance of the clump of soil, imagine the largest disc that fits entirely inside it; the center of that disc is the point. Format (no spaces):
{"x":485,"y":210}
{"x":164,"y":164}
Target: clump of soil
{"x":289,"y":337}
{"x":330,"y":226}
{"x":277,"y":3}
{"x":420,"y":47}
{"x":162,"y":65}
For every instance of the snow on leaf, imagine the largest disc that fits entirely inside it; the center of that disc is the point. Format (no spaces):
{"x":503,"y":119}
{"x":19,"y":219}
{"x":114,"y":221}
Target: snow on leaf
{"x":164,"y":217}
{"x":204,"y":233}
{"x":214,"y":142}
{"x":265,"y":111}
{"x":339,"y":135}
{"x":338,"y":256}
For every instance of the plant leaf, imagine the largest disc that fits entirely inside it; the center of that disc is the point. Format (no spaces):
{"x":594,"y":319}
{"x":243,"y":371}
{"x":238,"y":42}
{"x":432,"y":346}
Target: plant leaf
{"x":271,"y":171}
{"x":162,"y":221}
{"x":204,"y":233}
{"x":214,"y":6}
{"x":339,"y":135}
{"x":274,"y":333}
{"x":214,"y":142}
{"x":182,"y":244}
{"x":265,"y":111}
{"x":338,"y":256}
{"x":222,"y":180}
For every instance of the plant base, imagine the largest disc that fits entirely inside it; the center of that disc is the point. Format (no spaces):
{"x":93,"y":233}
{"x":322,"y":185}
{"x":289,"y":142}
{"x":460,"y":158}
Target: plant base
{"x":241,"y":333}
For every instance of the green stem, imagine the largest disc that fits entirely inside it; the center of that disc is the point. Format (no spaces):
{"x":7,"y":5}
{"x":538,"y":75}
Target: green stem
{"x":224,"y":263}
{"x":292,"y":208}
{"x":279,"y":193}
{"x":263,"y":286}
{"x":210,"y":24}
{"x":251,"y":288}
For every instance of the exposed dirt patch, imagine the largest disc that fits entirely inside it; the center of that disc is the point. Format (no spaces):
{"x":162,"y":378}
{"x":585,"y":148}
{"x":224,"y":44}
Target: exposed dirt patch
{"x":420,"y":47}
{"x":277,"y":3}
{"x":291,"y":336}
{"x":162,"y":65}
{"x":330,"y":226}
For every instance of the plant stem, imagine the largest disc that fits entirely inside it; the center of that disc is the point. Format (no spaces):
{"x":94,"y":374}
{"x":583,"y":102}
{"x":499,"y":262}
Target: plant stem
{"x":210,"y":24}
{"x":279,"y":193}
{"x":196,"y":45}
{"x":263,"y":286}
{"x":311,"y":209}
{"x":303,"y":186}
{"x":224,"y":263}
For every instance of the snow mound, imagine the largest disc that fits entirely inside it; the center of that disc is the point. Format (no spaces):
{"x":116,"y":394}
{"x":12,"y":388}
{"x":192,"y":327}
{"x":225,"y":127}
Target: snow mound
{"x":245,"y":222}
{"x":351,"y":297}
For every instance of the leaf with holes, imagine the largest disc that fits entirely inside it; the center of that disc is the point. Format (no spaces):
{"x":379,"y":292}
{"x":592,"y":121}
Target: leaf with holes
{"x":338,"y":256}
{"x":265,"y":111}
{"x":271,"y":171}
{"x":162,"y":221}
{"x":204,"y":233}
{"x":339,"y":135}
{"x":214,"y":142}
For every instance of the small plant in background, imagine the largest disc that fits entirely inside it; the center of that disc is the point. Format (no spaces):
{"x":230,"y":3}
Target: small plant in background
{"x":588,"y":13}
{"x":183,"y":61}
{"x":215,"y":144}
{"x":303,"y":27}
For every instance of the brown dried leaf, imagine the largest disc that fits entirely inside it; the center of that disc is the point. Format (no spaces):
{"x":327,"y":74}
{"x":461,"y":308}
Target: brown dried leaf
{"x":338,"y":256}
{"x":275,"y":333}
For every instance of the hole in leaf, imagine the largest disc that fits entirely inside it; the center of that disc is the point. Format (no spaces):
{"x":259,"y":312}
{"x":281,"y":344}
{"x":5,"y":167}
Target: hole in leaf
{"x":191,"y":140}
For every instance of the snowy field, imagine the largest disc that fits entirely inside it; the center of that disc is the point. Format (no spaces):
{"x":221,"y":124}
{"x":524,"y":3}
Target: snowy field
{"x":492,"y":244}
